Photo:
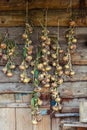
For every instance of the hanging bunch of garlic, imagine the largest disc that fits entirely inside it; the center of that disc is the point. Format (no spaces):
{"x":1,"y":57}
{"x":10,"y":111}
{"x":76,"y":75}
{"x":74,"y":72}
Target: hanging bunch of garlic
{"x":27,"y":54}
{"x":57,"y":76}
{"x":71,"y":42}
{"x":8,"y":48}
{"x":36,"y":101}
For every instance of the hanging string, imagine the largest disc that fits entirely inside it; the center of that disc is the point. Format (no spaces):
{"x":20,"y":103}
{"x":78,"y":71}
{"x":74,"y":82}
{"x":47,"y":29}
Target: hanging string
{"x":45,"y":17}
{"x":58,"y":30}
{"x":71,"y":9}
{"x":26,"y":11}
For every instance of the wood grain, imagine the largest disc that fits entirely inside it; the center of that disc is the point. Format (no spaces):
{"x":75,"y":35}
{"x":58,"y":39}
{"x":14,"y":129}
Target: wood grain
{"x":56,"y":124}
{"x":83,"y":112}
{"x":71,"y":105}
{"x":7,"y":119}
{"x":15,"y":88}
{"x":67,"y":90}
{"x":17,"y":18}
{"x":73,"y":89}
{"x":45,"y":124}
{"x":23,"y":119}
{"x":75,"y":124}
{"x":54,"y":4}
{"x":6,"y":98}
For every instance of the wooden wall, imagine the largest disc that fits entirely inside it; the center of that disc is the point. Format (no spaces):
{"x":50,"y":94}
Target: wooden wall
{"x":12,"y":13}
{"x":15,"y":96}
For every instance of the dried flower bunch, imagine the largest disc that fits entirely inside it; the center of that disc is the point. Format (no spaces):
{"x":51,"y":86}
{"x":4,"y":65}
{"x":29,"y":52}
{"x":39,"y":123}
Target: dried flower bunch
{"x":71,"y":46}
{"x":27,"y":54}
{"x":8,"y":52}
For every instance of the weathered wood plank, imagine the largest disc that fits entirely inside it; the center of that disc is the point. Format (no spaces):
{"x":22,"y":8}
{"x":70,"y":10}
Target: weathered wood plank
{"x":21,"y":105}
{"x":23,"y":119}
{"x":56,"y":124}
{"x":12,"y":5}
{"x":45,"y":124}
{"x":63,"y":16}
{"x":67,"y":90}
{"x":61,"y":115}
{"x":15,"y":88}
{"x":83,"y":112}
{"x":7,"y":119}
{"x":26,"y":97}
{"x":15,"y":105}
{"x":75,"y":124}
{"x":18,"y":98}
{"x":71,"y":105}
{"x":6,"y":98}
{"x":68,"y":106}
{"x":11,"y":19}
{"x":54,"y":4}
{"x":73,"y":89}
{"x":6,"y":21}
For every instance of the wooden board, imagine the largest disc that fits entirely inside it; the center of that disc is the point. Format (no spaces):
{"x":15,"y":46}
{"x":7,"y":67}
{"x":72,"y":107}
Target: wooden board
{"x":5,"y":98}
{"x":71,"y":105}
{"x":75,"y":124}
{"x":67,"y":90}
{"x":45,"y":124}
{"x":17,"y":18}
{"x":56,"y":124}
{"x":73,"y":89}
{"x":83,"y":111}
{"x":7,"y":119}
{"x":54,"y":4}
{"x":23,"y":119}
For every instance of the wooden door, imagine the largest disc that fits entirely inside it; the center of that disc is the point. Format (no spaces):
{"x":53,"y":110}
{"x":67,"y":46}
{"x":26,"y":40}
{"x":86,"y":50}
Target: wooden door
{"x":15,"y":114}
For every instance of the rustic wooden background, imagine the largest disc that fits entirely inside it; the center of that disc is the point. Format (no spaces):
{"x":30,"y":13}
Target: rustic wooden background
{"x":15,"y":96}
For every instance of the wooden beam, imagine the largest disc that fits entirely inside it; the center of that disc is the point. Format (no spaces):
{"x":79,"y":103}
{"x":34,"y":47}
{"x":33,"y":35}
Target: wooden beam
{"x":62,"y":115}
{"x":21,"y":4}
{"x":67,"y":90}
{"x":56,"y":124}
{"x":73,"y":90}
{"x":38,"y":4}
{"x":71,"y":105}
{"x":74,"y":124}
{"x":17,"y":18}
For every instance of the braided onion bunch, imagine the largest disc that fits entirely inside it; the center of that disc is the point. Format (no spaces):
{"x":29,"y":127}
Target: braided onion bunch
{"x":27,"y":54}
{"x":71,"y":46}
{"x":57,"y":76}
{"x":8,"y":47}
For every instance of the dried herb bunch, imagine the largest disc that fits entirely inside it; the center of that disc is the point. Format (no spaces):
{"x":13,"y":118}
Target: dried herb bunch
{"x":57,"y":76}
{"x":71,"y":46}
{"x":8,"y":48}
{"x":27,"y":54}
